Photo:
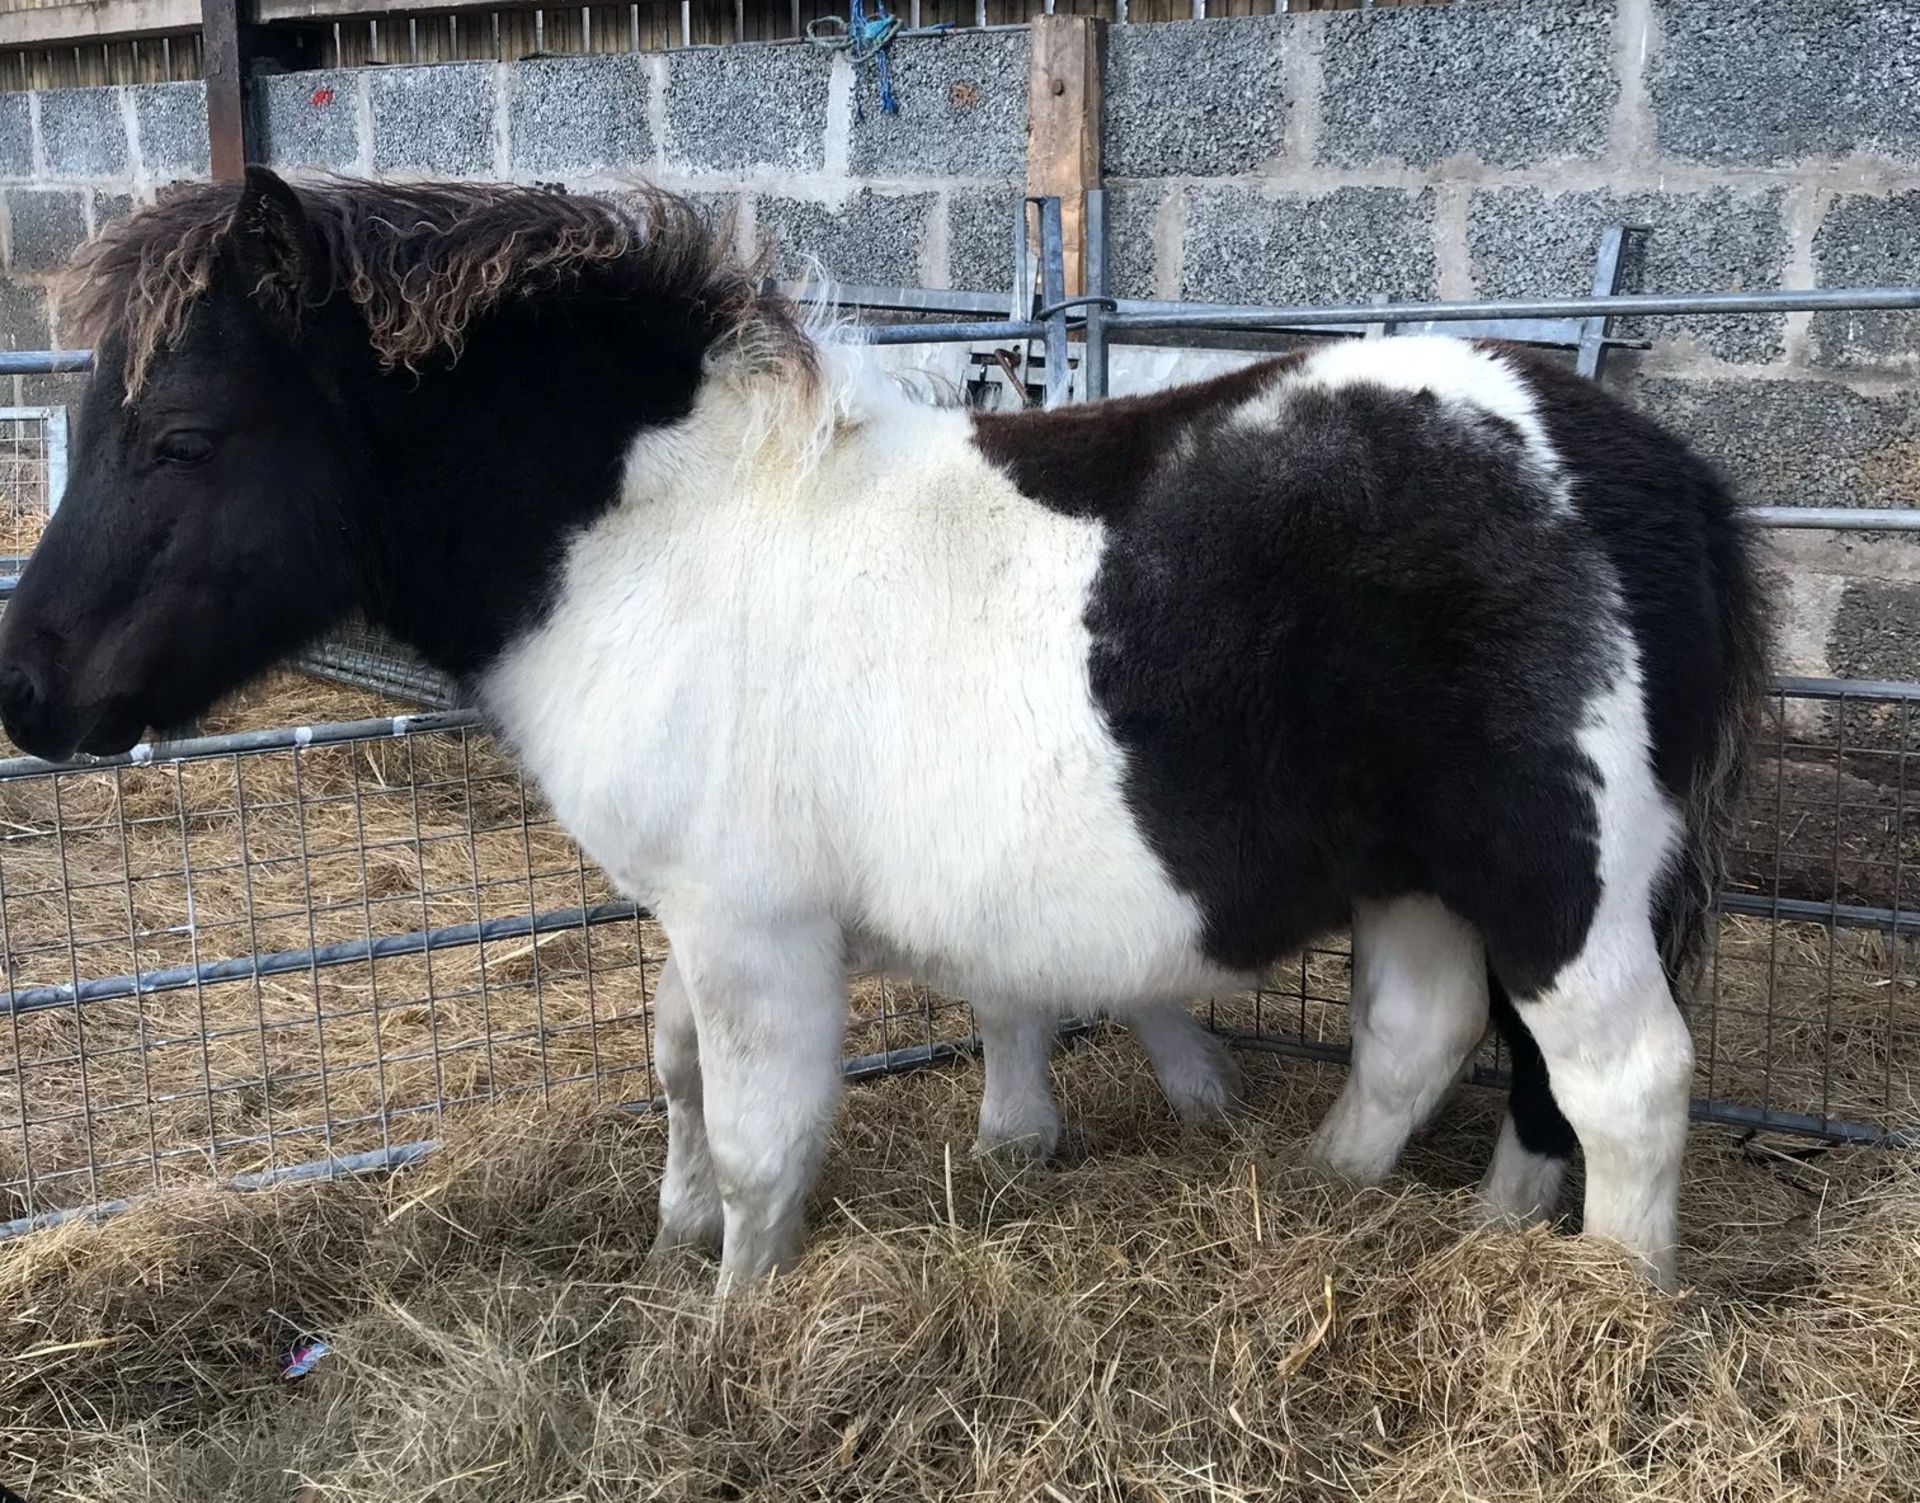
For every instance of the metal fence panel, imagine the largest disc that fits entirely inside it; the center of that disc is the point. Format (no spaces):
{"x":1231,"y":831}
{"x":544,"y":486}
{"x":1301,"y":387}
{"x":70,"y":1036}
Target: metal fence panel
{"x":274,"y":949}
{"x":286,"y":953}
{"x":298,"y":949}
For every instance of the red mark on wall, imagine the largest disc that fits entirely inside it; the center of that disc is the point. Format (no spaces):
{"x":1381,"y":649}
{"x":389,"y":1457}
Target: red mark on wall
{"x":322,"y":97}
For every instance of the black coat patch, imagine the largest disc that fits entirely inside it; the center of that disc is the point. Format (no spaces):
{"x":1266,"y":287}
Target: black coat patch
{"x":1347,"y":652}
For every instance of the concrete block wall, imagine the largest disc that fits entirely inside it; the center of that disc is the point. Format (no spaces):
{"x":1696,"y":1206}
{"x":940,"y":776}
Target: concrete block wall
{"x":768,"y":132}
{"x":1478,"y":150}
{"x":71,"y":160}
{"x":1416,"y":152}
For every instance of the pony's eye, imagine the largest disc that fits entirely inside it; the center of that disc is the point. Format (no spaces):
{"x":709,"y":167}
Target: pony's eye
{"x":185,"y":446}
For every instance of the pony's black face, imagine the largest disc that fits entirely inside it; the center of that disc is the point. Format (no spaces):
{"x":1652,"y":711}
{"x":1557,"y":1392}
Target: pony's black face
{"x":205,"y":532}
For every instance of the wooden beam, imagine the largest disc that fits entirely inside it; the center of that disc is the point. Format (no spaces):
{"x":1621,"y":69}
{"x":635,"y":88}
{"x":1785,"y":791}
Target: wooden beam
{"x":1063,"y":125}
{"x":97,"y":21}
{"x":222,"y":54}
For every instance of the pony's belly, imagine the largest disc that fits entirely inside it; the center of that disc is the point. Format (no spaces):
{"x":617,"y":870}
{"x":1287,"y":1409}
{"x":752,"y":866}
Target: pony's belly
{"x":1059,"y":960}
{"x":1093,"y":924}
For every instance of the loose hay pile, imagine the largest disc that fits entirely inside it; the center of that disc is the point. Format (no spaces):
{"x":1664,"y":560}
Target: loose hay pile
{"x":1168,"y":1315}
{"x":1152,"y":1321}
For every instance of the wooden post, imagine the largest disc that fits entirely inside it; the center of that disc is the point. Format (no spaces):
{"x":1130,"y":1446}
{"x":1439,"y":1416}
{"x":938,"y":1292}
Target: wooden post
{"x":220,"y":43}
{"x":1063,"y":126}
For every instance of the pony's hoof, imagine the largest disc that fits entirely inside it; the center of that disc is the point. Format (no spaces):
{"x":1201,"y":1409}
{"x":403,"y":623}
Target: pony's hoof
{"x":1206,"y":1094}
{"x":1341,"y":1152}
{"x":1021,"y":1148}
{"x":675,"y":1240}
{"x":1520,"y":1185}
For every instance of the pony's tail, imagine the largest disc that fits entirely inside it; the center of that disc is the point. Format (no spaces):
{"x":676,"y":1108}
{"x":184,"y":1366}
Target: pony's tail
{"x":1745,"y":642}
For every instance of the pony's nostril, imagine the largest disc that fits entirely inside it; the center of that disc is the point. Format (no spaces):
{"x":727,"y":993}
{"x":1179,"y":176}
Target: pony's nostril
{"x":22,"y":703}
{"x":18,"y":687}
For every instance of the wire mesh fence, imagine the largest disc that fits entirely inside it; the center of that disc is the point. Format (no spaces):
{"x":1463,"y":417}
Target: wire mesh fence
{"x":363,"y":657}
{"x":264,"y":956}
{"x":1806,"y":1009}
{"x":259,"y":956}
{"x":271,"y":953}
{"x":33,"y":472}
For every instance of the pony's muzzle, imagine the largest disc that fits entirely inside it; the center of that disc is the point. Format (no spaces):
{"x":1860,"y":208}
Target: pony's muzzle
{"x":35,"y":721}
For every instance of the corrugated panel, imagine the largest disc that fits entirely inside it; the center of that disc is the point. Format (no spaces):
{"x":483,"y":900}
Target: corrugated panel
{"x":509,"y":34}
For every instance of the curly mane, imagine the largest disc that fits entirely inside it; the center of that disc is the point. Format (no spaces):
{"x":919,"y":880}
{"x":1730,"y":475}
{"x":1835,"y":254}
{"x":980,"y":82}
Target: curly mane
{"x":422,"y":261}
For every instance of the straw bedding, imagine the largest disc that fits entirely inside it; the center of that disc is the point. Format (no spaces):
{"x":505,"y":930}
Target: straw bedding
{"x":1167,"y":1315}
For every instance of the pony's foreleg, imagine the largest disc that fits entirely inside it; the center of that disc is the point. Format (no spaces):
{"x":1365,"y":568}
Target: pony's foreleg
{"x":689,"y":1195}
{"x":769,"y":1004}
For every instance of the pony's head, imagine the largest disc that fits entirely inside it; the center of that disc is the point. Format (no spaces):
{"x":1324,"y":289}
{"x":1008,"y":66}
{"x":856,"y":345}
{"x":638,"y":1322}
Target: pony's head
{"x":275,"y":367}
{"x":209,"y":461}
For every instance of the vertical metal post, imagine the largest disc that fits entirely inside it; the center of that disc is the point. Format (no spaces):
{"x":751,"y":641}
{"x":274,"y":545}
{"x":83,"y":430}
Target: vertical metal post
{"x":1021,"y":307}
{"x":1053,"y":292}
{"x":1606,"y":282}
{"x":56,"y":430}
{"x":1093,"y":359}
{"x":1383,"y":329}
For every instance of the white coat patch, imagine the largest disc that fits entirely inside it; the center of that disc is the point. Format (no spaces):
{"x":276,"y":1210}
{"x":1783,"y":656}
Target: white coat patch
{"x":859,"y":690}
{"x":1455,"y":371}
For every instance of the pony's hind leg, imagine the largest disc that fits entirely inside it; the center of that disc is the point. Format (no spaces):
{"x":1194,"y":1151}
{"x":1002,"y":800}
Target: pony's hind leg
{"x":1197,"y":1072}
{"x":1621,"y":1063}
{"x":1419,"y":1007}
{"x":1536,"y":1140}
{"x":1610,"y":1033}
{"x":1018,"y":1119}
{"x":690,"y":1213}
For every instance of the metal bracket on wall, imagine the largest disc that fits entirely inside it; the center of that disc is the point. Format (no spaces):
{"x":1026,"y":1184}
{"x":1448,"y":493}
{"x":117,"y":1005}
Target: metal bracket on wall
{"x":1592,"y":358}
{"x":1050,"y":310}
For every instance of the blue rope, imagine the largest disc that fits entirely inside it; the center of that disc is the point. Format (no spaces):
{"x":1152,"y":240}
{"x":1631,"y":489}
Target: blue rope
{"x":866,"y":39}
{"x":870,"y":42}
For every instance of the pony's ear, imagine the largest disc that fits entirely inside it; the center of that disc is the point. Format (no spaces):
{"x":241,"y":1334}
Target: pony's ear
{"x":274,"y":243}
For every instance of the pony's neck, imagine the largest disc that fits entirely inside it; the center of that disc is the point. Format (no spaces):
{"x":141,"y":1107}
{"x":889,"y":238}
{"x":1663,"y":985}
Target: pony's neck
{"x":485,"y":467}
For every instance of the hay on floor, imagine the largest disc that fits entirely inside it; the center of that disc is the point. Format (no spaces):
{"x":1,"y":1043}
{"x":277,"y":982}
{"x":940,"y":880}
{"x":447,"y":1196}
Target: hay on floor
{"x":1168,"y":1315}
